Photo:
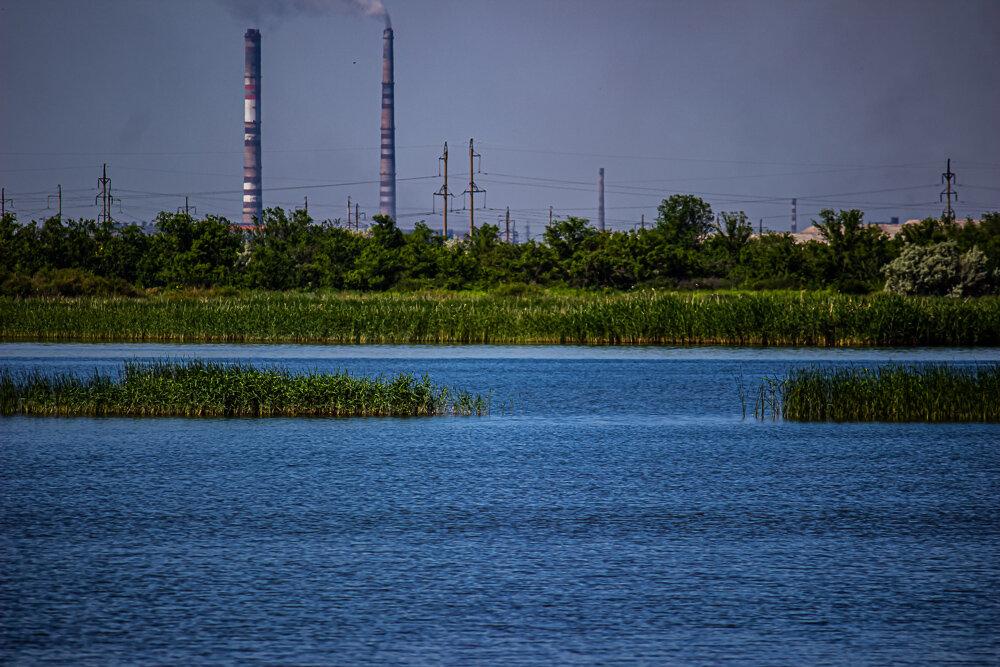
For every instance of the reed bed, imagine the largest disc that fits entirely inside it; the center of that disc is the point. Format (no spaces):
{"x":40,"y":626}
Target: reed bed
{"x":206,"y":389}
{"x":630,"y":318}
{"x":890,"y":393}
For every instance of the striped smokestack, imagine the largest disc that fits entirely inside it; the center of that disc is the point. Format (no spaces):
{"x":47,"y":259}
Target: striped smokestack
{"x":387,"y":159}
{"x":252,"y":202}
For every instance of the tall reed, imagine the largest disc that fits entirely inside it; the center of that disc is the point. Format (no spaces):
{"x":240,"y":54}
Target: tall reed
{"x":208,"y":389}
{"x":630,"y":318}
{"x":890,"y":393}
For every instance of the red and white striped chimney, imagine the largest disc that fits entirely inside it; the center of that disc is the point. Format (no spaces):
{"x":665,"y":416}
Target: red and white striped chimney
{"x":387,"y":158}
{"x":252,"y":201}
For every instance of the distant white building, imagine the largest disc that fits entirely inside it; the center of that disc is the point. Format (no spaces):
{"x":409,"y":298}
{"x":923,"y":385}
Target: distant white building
{"x":811,"y":233}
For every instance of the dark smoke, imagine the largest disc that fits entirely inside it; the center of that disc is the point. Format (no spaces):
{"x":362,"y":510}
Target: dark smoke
{"x":256,"y":11}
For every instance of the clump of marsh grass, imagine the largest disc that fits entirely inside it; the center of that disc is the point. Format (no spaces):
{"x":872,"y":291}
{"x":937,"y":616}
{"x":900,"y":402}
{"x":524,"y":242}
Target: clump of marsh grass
{"x":643,"y":317}
{"x":890,"y":393}
{"x":208,"y":389}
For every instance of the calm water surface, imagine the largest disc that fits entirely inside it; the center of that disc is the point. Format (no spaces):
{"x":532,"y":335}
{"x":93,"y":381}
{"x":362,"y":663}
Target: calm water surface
{"x":615,"y":509}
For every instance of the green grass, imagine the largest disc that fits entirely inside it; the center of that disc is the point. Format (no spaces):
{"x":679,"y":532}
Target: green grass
{"x":203,"y":389}
{"x":631,"y":318}
{"x":891,"y":393}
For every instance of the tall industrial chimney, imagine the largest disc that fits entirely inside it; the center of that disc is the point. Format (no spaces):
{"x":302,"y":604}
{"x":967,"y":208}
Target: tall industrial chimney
{"x":387,"y":161}
{"x":252,"y":201}
{"x":600,"y":200}
{"x":795,"y":216}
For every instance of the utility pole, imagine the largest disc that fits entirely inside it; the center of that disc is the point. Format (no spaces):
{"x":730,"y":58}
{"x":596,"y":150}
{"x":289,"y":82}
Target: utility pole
{"x":508,"y":224}
{"x":443,"y":191}
{"x":795,"y":216}
{"x":348,"y":211}
{"x":187,"y":209}
{"x":948,"y":177}
{"x":550,"y":216}
{"x":59,"y":199}
{"x":357,"y":216}
{"x":3,"y":202}
{"x":642,"y":223}
{"x":307,"y":205}
{"x":473,"y":188}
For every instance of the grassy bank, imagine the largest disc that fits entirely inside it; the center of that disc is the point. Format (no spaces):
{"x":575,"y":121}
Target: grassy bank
{"x":199,"y":389}
{"x":892,"y":393}
{"x":644,"y":318}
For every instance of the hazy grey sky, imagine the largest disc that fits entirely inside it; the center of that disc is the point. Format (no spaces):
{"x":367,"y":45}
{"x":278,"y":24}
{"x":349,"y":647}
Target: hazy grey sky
{"x":746,"y":103}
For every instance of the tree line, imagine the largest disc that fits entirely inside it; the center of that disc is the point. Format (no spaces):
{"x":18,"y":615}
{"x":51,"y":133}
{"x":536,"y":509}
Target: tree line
{"x":688,"y":246}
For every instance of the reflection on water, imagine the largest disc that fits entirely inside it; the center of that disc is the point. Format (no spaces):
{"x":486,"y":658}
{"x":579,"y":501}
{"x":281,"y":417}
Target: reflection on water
{"x":619,"y":511}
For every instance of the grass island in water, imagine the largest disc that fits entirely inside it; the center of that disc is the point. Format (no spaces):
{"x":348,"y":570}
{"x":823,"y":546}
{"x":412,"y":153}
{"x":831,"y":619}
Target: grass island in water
{"x":204,"y":389}
{"x":890,"y":393}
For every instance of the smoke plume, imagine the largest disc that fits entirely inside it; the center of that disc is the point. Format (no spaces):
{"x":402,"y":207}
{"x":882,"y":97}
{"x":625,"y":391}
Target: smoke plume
{"x":256,"y":11}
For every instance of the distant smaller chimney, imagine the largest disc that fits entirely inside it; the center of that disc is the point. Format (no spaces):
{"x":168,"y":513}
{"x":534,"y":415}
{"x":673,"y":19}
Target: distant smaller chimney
{"x":600,"y":199}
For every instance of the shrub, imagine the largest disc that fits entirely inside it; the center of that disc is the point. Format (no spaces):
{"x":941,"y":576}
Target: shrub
{"x":939,"y":270}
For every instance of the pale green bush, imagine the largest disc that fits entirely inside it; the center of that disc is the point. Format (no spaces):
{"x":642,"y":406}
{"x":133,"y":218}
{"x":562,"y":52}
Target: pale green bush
{"x":939,"y":270}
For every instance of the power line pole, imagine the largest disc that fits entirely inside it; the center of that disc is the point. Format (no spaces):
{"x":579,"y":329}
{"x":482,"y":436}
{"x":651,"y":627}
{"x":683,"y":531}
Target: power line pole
{"x":187,"y":208}
{"x":948,"y":177}
{"x":104,"y":182}
{"x":58,"y":199}
{"x":3,"y":202}
{"x":550,"y":216}
{"x":508,"y":224}
{"x":473,"y":188}
{"x":443,"y":191}
{"x":348,"y":211}
{"x":642,"y":223}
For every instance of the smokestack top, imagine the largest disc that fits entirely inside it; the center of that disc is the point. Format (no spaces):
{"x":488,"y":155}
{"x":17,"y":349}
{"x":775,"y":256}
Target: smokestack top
{"x":252,"y":33}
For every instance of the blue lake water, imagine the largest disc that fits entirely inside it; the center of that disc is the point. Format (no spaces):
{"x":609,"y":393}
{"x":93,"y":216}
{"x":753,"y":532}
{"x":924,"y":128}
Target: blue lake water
{"x":615,"y":508}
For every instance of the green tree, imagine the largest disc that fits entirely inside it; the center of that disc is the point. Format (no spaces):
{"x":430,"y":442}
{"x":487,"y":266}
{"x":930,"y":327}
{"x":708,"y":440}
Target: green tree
{"x":379,"y":265}
{"x":772,"y":261}
{"x":189,"y":252}
{"x":282,"y":251}
{"x":566,"y":236}
{"x":684,"y":221}
{"x":855,"y":251}
{"x":733,"y":232}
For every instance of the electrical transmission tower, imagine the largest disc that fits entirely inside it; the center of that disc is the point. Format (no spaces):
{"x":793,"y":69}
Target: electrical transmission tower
{"x":947,"y":177}
{"x":473,"y":188}
{"x":443,"y":191}
{"x":106,"y":199}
